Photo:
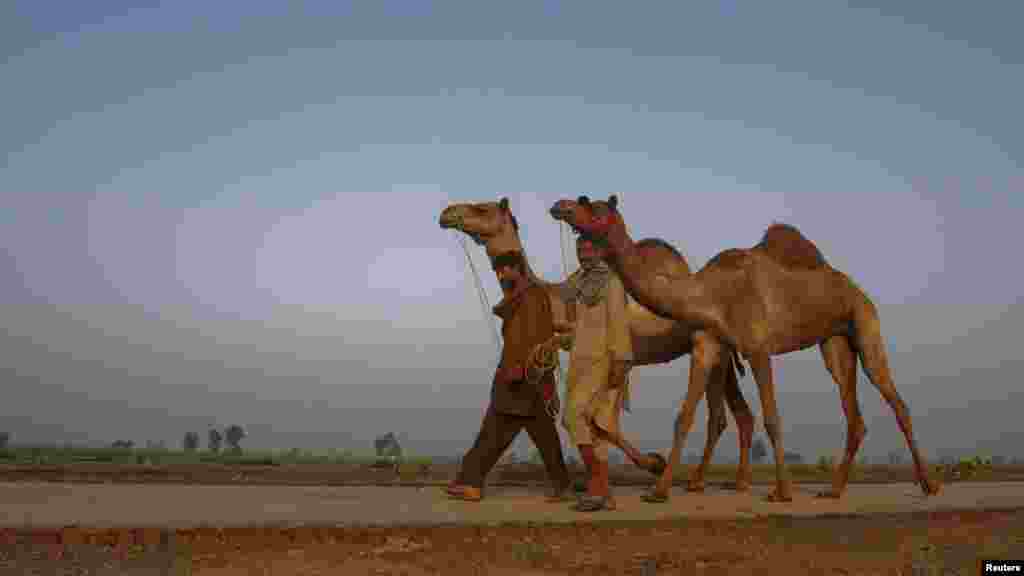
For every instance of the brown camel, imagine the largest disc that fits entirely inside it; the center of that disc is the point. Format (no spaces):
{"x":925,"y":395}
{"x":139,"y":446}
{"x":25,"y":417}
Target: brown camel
{"x":762,"y":305}
{"x":655,"y":340}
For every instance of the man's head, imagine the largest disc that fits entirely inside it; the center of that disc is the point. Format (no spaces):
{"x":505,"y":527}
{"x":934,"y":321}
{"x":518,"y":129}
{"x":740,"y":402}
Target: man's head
{"x":511,"y":270}
{"x":589,"y":250}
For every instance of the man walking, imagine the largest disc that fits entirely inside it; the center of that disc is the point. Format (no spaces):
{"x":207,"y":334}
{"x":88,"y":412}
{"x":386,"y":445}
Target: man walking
{"x":519,"y":396}
{"x":596,"y":390}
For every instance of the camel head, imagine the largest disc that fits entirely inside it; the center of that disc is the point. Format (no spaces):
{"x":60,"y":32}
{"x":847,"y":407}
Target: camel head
{"x":593,"y":218}
{"x":481,"y":221}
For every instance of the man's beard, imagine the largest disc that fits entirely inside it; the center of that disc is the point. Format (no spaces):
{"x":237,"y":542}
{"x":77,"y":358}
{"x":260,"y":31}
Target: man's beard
{"x":507,"y":284}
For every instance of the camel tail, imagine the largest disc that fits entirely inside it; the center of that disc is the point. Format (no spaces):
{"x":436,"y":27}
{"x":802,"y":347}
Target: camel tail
{"x":869,"y":342}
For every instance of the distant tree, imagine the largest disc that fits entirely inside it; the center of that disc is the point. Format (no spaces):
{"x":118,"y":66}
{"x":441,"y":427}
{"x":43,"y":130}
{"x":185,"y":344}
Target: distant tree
{"x":123,"y":444}
{"x":998,"y":460}
{"x":792,"y":458}
{"x":191,"y":442}
{"x":5,"y":439}
{"x":894,"y":458}
{"x":387,"y":446}
{"x":825,"y":463}
{"x":233,"y":435}
{"x":759,"y":450}
{"x":535,"y":457}
{"x":214,"y":440}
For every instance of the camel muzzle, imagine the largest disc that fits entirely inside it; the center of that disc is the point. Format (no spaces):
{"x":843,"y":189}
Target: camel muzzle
{"x":448,"y":221}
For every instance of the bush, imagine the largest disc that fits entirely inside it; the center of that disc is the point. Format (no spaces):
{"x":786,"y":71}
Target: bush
{"x":826,"y":463}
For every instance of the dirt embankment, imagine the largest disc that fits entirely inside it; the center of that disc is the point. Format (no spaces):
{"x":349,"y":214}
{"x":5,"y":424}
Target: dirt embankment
{"x":923,"y":543}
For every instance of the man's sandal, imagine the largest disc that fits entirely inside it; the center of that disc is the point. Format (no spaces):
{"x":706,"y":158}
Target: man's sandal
{"x":466,"y":493}
{"x":589,"y":503}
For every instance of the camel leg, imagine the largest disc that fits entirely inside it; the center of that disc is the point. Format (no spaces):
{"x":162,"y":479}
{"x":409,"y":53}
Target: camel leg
{"x":841,"y":361}
{"x":701,"y":358}
{"x":651,"y":462}
{"x":876,"y":364}
{"x":717,"y":423}
{"x":744,"y":423}
{"x":761,"y":366}
{"x":724,"y":378}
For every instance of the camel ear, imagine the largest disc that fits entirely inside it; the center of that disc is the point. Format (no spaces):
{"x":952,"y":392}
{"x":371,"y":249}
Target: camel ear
{"x":613,"y":202}
{"x":583,"y":201}
{"x":503,"y":203}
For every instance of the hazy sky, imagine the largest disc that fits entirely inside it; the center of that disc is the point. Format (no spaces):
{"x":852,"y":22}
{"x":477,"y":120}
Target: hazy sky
{"x":216,"y":213}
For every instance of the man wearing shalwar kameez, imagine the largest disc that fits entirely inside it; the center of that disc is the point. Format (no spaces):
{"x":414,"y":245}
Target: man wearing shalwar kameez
{"x":596,"y":387}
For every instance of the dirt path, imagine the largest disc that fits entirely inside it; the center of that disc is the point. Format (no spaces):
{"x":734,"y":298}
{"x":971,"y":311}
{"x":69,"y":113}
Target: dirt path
{"x":25,"y":505}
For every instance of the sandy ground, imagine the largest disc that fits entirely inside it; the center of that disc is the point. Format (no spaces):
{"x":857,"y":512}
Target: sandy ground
{"x":30,"y":505}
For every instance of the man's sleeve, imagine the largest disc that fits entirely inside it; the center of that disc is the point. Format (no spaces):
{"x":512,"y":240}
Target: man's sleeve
{"x":536,"y":322}
{"x":620,"y":344}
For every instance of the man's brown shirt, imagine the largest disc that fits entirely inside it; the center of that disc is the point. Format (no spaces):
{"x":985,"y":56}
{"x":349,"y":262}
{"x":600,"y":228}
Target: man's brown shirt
{"x":526,"y":322}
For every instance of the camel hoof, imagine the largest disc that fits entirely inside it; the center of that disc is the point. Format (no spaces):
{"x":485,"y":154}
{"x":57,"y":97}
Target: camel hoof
{"x":774,"y":496}
{"x":655,"y":497}
{"x":830,"y":494}
{"x":660,"y":464}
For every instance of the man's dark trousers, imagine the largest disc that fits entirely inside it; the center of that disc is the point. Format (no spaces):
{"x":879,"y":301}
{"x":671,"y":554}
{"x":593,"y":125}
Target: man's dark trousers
{"x":496,"y":434}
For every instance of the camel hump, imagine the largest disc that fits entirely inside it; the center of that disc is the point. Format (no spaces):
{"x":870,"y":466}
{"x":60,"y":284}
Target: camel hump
{"x":789,"y":247}
{"x":731,"y":258}
{"x":661,"y":253}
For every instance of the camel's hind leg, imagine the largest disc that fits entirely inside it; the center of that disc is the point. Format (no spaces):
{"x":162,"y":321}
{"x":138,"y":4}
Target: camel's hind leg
{"x":876,"y":364}
{"x":841,"y":361}
{"x":705,"y":350}
{"x":724,"y":377}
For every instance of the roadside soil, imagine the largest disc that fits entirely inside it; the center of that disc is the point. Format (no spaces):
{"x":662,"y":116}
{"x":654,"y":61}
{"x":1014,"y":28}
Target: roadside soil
{"x":433,"y":474}
{"x":919,"y":543}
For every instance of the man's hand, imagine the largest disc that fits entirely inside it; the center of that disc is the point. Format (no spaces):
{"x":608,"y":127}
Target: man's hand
{"x":509,"y":374}
{"x":565,"y":334}
{"x":617,"y":374}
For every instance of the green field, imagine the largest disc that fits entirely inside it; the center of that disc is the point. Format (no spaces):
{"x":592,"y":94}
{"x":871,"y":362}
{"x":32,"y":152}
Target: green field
{"x":57,"y":455}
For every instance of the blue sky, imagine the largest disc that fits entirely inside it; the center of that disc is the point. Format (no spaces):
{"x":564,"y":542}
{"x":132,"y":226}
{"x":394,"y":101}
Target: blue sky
{"x":228,"y":211}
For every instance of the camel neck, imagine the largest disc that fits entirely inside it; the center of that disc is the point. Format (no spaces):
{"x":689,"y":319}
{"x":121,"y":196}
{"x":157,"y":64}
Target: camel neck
{"x":510,"y":242}
{"x":639,"y":279}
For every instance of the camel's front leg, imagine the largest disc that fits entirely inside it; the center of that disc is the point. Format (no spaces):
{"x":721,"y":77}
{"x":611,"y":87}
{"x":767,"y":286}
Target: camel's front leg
{"x":841,"y":361}
{"x":651,"y":462}
{"x":761,"y":366}
{"x":700,"y":360}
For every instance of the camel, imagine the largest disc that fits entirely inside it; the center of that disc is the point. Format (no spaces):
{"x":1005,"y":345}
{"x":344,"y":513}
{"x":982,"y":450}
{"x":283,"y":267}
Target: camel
{"x":761,"y":305}
{"x":655,"y":340}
